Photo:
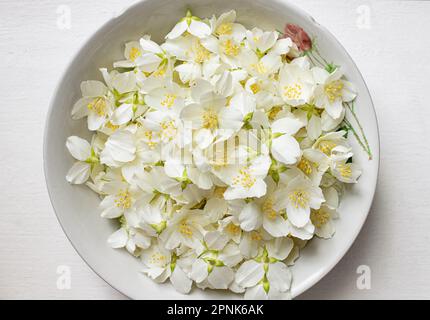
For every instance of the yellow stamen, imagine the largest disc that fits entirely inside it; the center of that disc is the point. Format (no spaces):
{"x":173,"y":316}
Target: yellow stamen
{"x":259,"y":67}
{"x":224,"y":29}
{"x":319,"y":217}
{"x":112,"y":126}
{"x":201,"y":53}
{"x":123,"y":200}
{"x":169,"y":130}
{"x":345,"y":170}
{"x":306,"y":166}
{"x":326,"y":146}
{"x":230,"y":48}
{"x":268,"y":209}
{"x":293,"y":91}
{"x":169,"y":100}
{"x":160,"y":71}
{"x":98,"y":105}
{"x":244,"y":179}
{"x":219,"y":192}
{"x":255,"y":88}
{"x":299,"y":198}
{"x":274,"y":112}
{"x":185,"y":229}
{"x":334,"y":90}
{"x":134,"y":53}
{"x":157,"y":259}
{"x":149,"y":136}
{"x":256,"y":236}
{"x":233,"y":229}
{"x":210,"y":119}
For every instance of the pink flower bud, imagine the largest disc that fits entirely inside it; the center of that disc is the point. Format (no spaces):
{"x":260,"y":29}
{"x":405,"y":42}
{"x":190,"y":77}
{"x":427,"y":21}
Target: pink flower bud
{"x":298,"y":36}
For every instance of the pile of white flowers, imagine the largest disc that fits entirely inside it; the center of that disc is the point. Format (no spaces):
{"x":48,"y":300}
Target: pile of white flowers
{"x":219,"y":152}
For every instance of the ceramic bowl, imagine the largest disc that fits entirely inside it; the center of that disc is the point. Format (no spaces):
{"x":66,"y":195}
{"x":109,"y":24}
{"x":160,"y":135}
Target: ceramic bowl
{"x":76,"y":206}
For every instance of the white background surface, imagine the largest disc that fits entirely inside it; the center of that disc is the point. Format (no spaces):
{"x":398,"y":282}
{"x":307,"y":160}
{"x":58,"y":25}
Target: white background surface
{"x":392,"y":53}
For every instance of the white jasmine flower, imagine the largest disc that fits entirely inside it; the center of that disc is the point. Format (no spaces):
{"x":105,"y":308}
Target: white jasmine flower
{"x":261,"y":41}
{"x":279,"y":248}
{"x":296,"y":83}
{"x":317,"y":121}
{"x":176,"y":163}
{"x":165,"y":128}
{"x":159,"y":78}
{"x":96,"y":104}
{"x":215,"y":263}
{"x":148,"y":152}
{"x":132,"y":52}
{"x":322,"y":219}
{"x":282,"y":46}
{"x":300,"y":196}
{"x":303,"y":233}
{"x":265,"y":94}
{"x":246,"y":180}
{"x":265,"y":277}
{"x":203,"y":180}
{"x":191,"y":24}
{"x":314,"y":163}
{"x":328,"y":123}
{"x":226,"y":25}
{"x":146,"y":55}
{"x":153,"y":212}
{"x":223,"y":83}
{"x":129,"y":237}
{"x":168,"y":99}
{"x":82,"y":151}
{"x":261,"y":213}
{"x":252,"y":242}
{"x":332,"y":91}
{"x":153,"y":56}
{"x":180,"y":268}
{"x":161,"y":264}
{"x":210,"y":117}
{"x":120,"y":200}
{"x":185,"y":227}
{"x":330,"y":141}
{"x":156,"y":260}
{"x":229,"y":49}
{"x":119,"y":82}
{"x":197,"y":60}
{"x":120,"y":148}
{"x":262,"y":67}
{"x":285,"y":147}
{"x":265,"y":58}
{"x":130,"y":107}
{"x":156,"y":181}
{"x":343,"y":170}
{"x":244,"y":102}
{"x":230,"y":226}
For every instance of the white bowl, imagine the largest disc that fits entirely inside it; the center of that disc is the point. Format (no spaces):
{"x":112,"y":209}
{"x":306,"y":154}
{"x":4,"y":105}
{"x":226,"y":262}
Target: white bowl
{"x":76,"y":206}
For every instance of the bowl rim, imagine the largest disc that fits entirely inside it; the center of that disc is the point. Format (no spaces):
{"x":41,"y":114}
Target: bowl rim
{"x":296,"y":10}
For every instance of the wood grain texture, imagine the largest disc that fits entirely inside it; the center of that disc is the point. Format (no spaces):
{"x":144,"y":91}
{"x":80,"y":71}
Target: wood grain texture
{"x":392,"y":56}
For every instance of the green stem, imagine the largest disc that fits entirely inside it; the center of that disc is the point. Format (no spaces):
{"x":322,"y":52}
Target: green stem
{"x":315,"y":47}
{"x":357,"y":137}
{"x":366,"y":142}
{"x":316,"y":58}
{"x":313,"y":60}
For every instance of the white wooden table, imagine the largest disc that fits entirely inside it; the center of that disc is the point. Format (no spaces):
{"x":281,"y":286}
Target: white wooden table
{"x":387,"y":39}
